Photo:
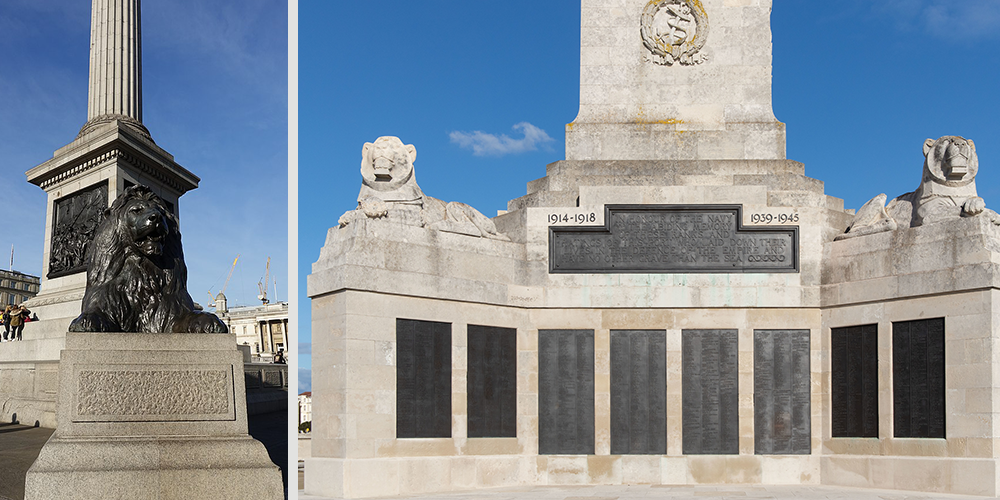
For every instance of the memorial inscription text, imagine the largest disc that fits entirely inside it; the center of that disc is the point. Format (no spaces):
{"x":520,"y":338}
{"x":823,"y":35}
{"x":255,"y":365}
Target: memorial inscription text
{"x":673,"y":238}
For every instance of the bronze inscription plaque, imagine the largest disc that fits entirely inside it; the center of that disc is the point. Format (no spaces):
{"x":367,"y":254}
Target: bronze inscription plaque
{"x":673,"y":239}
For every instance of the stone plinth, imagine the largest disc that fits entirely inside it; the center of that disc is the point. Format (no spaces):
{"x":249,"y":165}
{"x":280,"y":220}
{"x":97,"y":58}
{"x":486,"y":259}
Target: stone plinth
{"x":710,"y":99}
{"x":152,"y":416}
{"x":946,"y":270}
{"x":93,"y":168}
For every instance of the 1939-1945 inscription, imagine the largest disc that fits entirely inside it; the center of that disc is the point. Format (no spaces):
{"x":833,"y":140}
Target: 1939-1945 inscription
{"x":673,"y":238}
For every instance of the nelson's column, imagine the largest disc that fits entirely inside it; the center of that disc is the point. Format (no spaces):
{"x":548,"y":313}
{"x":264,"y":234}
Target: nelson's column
{"x":113,"y":151}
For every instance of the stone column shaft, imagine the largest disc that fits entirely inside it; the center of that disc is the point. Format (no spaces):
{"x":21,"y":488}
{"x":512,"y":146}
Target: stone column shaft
{"x":115,"y":61}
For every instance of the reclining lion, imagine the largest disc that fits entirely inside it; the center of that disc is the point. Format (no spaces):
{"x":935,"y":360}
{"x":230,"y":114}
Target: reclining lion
{"x":947,"y":191}
{"x":389,"y":190}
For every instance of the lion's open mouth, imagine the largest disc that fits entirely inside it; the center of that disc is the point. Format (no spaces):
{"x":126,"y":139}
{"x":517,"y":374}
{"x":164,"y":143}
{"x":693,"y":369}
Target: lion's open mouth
{"x":151,"y":244}
{"x":149,"y":238}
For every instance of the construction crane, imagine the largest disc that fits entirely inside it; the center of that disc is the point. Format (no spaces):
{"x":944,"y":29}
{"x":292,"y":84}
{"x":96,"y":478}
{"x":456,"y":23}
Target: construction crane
{"x":226,"y":285}
{"x":262,"y":284}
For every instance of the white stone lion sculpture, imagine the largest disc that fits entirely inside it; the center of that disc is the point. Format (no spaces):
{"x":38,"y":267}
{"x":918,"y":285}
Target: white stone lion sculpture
{"x":389,"y":190}
{"x":947,"y":191}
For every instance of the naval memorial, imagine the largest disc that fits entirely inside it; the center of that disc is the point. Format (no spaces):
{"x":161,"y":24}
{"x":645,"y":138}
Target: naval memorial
{"x":686,"y":305}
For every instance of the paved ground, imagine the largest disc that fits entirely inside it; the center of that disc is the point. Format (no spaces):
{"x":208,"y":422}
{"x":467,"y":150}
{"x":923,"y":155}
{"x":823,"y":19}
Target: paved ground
{"x":271,"y":429}
{"x":19,"y":446}
{"x":730,"y":492}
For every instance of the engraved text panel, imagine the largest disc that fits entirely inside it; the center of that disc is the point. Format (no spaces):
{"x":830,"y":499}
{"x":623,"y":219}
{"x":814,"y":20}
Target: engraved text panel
{"x":673,"y":238}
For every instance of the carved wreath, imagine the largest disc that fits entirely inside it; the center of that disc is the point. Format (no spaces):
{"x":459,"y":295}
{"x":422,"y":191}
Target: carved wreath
{"x":674,"y":31}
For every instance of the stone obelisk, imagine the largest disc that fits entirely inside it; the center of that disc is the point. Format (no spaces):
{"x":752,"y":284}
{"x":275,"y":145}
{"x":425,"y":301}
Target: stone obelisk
{"x":112,"y":151}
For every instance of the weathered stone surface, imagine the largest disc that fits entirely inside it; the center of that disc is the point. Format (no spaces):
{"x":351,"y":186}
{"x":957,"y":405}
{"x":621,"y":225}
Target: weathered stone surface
{"x":109,"y":392}
{"x":153,"y":469}
{"x":710,"y":63}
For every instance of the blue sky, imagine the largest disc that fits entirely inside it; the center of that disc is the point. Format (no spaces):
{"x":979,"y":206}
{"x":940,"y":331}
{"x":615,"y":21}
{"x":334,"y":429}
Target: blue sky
{"x":859,"y":85}
{"x":215,"y":96}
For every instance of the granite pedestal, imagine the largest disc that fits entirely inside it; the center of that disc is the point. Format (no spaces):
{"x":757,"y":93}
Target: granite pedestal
{"x":159,"y":416}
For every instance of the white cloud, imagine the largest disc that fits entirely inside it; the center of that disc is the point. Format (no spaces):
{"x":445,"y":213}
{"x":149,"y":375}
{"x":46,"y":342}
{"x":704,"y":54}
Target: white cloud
{"x":305,"y":380}
{"x":483,"y":144}
{"x":947,"y":20}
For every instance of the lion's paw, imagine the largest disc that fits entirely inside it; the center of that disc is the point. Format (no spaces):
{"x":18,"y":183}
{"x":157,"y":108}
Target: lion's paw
{"x":346,"y":219}
{"x":93,"y":322}
{"x":206,"y":323}
{"x":974,"y":206}
{"x":374,"y":208}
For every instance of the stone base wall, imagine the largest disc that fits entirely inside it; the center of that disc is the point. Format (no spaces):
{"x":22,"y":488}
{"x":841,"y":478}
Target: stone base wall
{"x":414,"y":475}
{"x":676,"y":140}
{"x":967,"y":476}
{"x":356,"y":453}
{"x":27,"y":388}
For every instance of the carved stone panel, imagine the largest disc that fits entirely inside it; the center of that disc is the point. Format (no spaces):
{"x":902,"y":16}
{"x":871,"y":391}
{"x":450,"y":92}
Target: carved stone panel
{"x":423,"y":379}
{"x":638,"y":392}
{"x":492,"y":381}
{"x":854,"y":381}
{"x":918,"y":389}
{"x":131,"y":393}
{"x":710,"y":392}
{"x":673,"y":238}
{"x":75,"y":218}
{"x":781,"y":392}
{"x":566,"y":392}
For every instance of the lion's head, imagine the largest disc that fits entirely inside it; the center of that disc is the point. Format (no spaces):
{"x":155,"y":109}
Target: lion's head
{"x":136,"y":277}
{"x":387,"y":164}
{"x":138,"y":224}
{"x":950,"y":160}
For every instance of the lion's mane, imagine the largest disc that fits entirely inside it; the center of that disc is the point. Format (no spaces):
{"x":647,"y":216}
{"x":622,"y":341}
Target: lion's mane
{"x":136,"y":284}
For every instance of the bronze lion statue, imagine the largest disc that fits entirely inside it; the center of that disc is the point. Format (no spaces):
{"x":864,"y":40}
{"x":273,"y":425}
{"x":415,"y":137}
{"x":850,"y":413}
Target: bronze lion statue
{"x":136,"y":277}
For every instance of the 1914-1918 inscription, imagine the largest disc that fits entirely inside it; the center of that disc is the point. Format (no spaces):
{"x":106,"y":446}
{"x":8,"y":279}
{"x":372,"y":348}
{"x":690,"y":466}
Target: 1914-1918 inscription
{"x":673,"y":238}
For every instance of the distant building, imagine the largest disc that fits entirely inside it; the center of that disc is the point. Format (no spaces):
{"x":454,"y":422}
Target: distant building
{"x":305,"y":407}
{"x":264,"y":328}
{"x":17,"y":287}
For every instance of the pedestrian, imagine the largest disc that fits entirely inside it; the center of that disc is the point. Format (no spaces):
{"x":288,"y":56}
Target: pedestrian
{"x":5,"y":318}
{"x":17,"y":316}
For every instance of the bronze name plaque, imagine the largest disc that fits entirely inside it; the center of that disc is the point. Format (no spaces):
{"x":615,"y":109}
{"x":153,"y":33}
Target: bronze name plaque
{"x":673,"y":239}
